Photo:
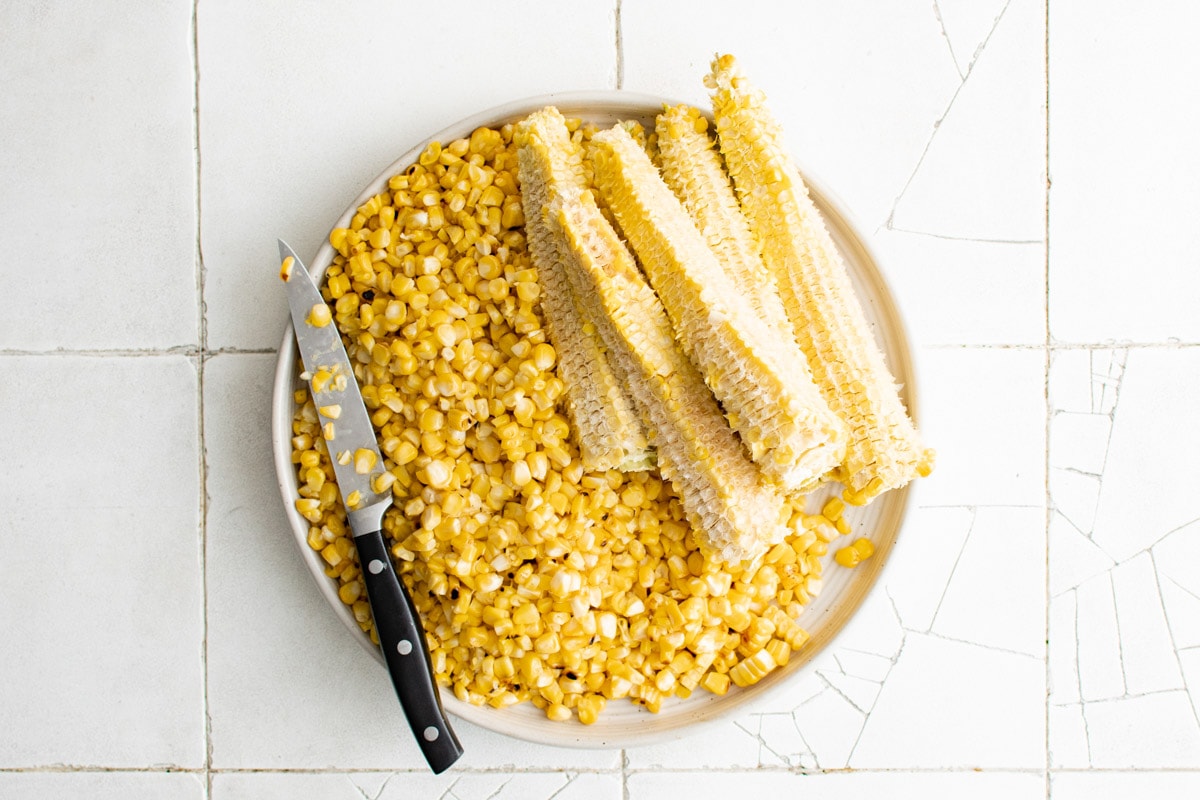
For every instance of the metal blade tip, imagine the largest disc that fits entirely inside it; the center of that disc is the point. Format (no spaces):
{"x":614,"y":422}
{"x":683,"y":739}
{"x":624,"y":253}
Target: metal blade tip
{"x":285,"y":250}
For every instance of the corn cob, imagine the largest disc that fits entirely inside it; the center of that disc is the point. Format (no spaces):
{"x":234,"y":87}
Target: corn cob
{"x":734,"y":512}
{"x":884,"y":451}
{"x":758,"y":375}
{"x":693,"y":169}
{"x":608,"y":430}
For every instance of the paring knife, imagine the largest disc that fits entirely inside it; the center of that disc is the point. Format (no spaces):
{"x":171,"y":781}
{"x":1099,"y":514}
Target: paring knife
{"x":356,"y":461}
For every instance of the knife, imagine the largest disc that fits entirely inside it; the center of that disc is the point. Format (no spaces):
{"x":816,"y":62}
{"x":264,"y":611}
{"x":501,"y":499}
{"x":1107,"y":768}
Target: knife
{"x":354,"y":452}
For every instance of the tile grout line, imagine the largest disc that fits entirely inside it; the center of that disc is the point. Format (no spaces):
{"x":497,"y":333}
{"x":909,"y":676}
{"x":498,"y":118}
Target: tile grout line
{"x":620,"y":45}
{"x":202,"y":323}
{"x":1046,"y":389}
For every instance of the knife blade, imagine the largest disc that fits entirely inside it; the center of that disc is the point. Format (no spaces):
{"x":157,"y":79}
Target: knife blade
{"x":354,"y":451}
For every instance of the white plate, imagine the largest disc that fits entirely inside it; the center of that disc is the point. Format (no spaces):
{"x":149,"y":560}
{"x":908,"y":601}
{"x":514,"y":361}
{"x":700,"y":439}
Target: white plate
{"x":623,"y":723}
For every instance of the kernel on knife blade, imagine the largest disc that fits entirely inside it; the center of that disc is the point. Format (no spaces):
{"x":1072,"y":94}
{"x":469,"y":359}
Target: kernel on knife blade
{"x":336,"y":397}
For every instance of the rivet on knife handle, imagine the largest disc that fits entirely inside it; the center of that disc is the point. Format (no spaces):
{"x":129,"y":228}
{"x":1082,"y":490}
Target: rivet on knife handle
{"x":357,"y":463}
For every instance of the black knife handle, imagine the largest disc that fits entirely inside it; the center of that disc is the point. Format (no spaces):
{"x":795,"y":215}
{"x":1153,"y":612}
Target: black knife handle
{"x":403,"y":641}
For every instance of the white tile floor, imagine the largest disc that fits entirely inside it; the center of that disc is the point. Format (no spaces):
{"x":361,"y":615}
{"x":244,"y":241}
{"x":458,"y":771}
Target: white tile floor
{"x":1042,"y":618}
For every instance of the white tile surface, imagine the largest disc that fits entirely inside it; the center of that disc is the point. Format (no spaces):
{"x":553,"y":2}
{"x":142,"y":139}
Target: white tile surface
{"x":837,"y":786}
{"x":98,"y":166}
{"x":1124,"y":172}
{"x":102,"y":785}
{"x":1119,"y":785}
{"x":100,"y":584}
{"x":314,"y":101}
{"x":399,"y":786}
{"x":153,"y":640}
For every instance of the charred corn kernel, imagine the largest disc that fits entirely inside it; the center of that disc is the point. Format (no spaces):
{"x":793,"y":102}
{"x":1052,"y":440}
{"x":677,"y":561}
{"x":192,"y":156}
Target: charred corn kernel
{"x":734,"y":512}
{"x":715,"y":682}
{"x":756,"y":373}
{"x":883,"y":448}
{"x":319,"y":316}
{"x":606,"y":424}
{"x":364,"y":461}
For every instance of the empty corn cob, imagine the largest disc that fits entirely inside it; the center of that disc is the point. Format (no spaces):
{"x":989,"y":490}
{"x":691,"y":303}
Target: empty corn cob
{"x":607,"y":427}
{"x":883,"y":451}
{"x":770,"y":400}
{"x":692,"y":167}
{"x":733,"y":511}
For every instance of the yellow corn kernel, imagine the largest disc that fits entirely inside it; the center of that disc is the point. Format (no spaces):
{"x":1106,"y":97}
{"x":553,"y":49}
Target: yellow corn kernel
{"x":780,"y":650}
{"x":864,"y":547}
{"x":750,"y":671}
{"x":848,"y":557}
{"x":354,"y":499}
{"x":715,"y":682}
{"x":364,"y":461}
{"x":557,"y":712}
{"x":589,"y":708}
{"x":319,"y":316}
{"x":285,"y":269}
{"x":331,"y":411}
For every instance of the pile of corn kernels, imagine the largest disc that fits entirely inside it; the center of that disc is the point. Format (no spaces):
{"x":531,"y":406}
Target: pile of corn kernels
{"x":535,"y":579}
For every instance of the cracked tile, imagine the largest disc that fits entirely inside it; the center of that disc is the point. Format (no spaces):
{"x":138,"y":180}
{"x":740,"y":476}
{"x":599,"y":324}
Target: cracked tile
{"x":836,"y":785}
{"x":867,"y":666}
{"x":1115,"y":118}
{"x":857,"y":85}
{"x":782,"y":743}
{"x":939,"y":698}
{"x":982,"y":176}
{"x":1178,"y":557}
{"x":726,"y":744}
{"x":1074,"y":496}
{"x":1189,"y":662}
{"x":1063,"y":651}
{"x":1147,"y":653}
{"x":1068,"y":737}
{"x":1111,"y":785}
{"x":1154,"y":730}
{"x":860,"y":692}
{"x":831,"y":726}
{"x":994,"y":605}
{"x":920,"y":567}
{"x":1154,"y":425}
{"x":1079,"y":441}
{"x":1099,"y":640}
{"x":965,"y":292}
{"x":1183,"y":614}
{"x":1074,"y":558}
{"x":967,"y":24}
{"x":450,"y":785}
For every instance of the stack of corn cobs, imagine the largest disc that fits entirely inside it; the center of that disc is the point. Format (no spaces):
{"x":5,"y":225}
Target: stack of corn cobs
{"x":601,"y":455}
{"x":737,"y":351}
